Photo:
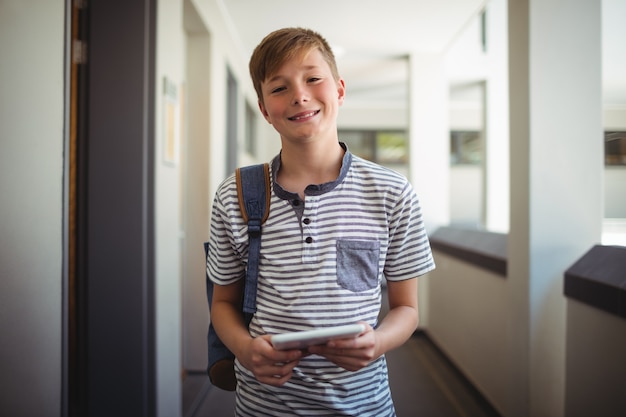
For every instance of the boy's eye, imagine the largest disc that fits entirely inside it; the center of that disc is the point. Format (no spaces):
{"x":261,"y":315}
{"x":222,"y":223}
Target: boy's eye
{"x":277,"y":89}
{"x":314,"y":79}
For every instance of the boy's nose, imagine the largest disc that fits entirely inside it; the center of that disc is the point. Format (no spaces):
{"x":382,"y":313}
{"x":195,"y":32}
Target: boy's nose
{"x":300,"y":96}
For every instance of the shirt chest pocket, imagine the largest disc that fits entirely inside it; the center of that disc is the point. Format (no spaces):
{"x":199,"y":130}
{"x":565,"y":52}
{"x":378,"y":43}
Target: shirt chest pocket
{"x":357,"y":264}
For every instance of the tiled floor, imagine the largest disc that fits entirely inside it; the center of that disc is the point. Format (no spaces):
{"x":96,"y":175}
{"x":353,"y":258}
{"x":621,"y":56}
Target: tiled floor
{"x":423,"y":384}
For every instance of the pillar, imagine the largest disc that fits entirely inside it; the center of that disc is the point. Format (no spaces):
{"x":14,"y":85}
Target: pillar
{"x":556,"y":177}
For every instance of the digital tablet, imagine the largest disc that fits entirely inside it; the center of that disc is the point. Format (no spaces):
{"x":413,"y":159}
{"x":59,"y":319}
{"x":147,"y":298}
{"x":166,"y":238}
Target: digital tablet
{"x":300,"y":340}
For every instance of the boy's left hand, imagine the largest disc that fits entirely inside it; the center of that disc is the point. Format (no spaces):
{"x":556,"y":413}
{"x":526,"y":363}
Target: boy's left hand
{"x":350,"y":354}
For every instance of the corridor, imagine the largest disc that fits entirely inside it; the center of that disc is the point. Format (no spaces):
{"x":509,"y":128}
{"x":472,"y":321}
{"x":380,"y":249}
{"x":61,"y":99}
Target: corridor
{"x":423,"y":384}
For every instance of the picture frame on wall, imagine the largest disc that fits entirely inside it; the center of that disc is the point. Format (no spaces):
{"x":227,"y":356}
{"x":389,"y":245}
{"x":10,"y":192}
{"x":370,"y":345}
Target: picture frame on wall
{"x":171,"y":123}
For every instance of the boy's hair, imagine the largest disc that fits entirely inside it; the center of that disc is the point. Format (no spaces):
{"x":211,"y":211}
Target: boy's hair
{"x":282,"y":45}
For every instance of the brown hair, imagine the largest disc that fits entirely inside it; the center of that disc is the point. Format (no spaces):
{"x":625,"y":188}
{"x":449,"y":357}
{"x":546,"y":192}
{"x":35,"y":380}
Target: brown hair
{"x":282,"y":45}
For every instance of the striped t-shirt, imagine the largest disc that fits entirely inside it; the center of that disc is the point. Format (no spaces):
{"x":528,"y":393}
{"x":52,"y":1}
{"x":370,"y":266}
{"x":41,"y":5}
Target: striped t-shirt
{"x":322,"y":263}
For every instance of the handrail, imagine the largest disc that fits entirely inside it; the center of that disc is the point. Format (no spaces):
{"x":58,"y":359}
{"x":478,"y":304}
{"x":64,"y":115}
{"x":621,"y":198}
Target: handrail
{"x":598,"y":279}
{"x":481,"y":248}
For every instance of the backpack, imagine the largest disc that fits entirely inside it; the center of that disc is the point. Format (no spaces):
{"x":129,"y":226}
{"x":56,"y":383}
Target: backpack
{"x":253,"y":191}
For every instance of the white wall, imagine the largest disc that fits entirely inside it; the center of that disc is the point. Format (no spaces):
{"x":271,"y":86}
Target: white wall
{"x":203,"y":31}
{"x":358,"y":117}
{"x":522,"y":319}
{"x":596,"y":367}
{"x":225,"y":52}
{"x":466,"y":190}
{"x":31,"y":186}
{"x":195,"y":171}
{"x":615,"y":117}
{"x":170,"y":65}
{"x":614,"y":194}
{"x":468,"y":320}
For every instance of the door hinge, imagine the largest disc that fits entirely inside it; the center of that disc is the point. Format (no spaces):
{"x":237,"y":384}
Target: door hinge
{"x":79,"y":52}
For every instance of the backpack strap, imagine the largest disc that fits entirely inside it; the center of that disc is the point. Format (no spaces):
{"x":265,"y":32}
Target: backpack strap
{"x":253,"y":191}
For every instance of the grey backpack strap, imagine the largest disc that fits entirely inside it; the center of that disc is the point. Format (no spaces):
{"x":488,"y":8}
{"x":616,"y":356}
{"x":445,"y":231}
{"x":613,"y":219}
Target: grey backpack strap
{"x":253,"y":189}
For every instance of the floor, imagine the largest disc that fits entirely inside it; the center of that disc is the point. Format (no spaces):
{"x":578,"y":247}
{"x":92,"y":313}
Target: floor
{"x":423,"y":383}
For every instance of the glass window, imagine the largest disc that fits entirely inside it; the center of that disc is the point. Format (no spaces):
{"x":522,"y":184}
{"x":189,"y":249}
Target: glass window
{"x":615,"y":148}
{"x":466,"y":148}
{"x":250,"y":138}
{"x":388,"y":148}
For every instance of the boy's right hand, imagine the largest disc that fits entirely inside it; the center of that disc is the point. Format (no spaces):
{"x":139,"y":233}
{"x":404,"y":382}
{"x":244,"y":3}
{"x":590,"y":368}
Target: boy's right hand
{"x":269,"y":366}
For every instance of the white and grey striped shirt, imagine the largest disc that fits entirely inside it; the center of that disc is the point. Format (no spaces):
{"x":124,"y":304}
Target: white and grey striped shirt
{"x":322,"y":264}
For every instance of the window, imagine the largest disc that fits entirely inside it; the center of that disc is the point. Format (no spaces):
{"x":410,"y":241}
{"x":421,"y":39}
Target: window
{"x":250,"y":138}
{"x":614,"y":148}
{"x":466,"y":148}
{"x":385,"y":147}
{"x":467,"y":191}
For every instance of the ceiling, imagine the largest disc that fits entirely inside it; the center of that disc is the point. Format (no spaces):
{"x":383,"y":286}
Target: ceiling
{"x":372,"y":38}
{"x":369,"y":27}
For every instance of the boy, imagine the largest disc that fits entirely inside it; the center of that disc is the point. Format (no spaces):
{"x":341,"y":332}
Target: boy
{"x":337,"y":225}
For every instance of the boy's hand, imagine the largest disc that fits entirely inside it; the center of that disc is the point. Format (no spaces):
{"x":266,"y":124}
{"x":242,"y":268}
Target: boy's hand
{"x":350,"y":354}
{"x":269,"y":366}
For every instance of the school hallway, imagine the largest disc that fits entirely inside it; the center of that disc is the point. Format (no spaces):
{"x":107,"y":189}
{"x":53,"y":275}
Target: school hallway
{"x":423,"y":384}
{"x":121,"y":118}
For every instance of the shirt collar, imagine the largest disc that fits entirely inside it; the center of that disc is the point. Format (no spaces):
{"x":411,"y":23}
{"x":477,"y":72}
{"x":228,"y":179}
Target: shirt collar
{"x":313,"y":189}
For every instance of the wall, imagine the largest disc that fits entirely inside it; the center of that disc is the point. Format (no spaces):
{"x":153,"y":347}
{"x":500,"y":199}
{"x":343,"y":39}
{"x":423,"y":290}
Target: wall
{"x":595,"y":364}
{"x":195,"y":172}
{"x":170,"y":66}
{"x":202,"y":33}
{"x":225,"y":52}
{"x":468,"y":320}
{"x":614,"y":195}
{"x":466,"y":190}
{"x":524,"y":315}
{"x":468,"y":311}
{"x":31,"y":185}
{"x":356,"y":117}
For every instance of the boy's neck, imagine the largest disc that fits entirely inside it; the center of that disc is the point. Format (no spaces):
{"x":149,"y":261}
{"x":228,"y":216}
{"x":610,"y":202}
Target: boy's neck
{"x":309,"y":163}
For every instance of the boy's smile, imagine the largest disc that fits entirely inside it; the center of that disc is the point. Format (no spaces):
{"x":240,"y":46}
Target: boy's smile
{"x":304,"y":115}
{"x":302,"y":99}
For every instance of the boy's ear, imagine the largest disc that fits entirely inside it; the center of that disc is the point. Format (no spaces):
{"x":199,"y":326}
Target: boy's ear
{"x":264,"y":112}
{"x":341,"y":90}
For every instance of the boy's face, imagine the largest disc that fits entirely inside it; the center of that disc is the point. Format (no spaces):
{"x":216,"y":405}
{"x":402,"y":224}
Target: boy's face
{"x":302,"y":99}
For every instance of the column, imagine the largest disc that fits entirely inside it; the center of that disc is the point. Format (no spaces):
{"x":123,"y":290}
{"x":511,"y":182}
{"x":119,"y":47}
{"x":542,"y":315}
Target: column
{"x":429,"y":134}
{"x":556,"y":177}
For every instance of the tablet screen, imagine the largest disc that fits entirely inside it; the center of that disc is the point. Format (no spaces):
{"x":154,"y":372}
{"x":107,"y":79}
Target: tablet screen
{"x":301,"y":340}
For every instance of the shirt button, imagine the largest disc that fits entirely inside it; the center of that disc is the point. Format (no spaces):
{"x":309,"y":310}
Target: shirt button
{"x":306,"y":221}
{"x":309,"y":239}
{"x":296,"y":202}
